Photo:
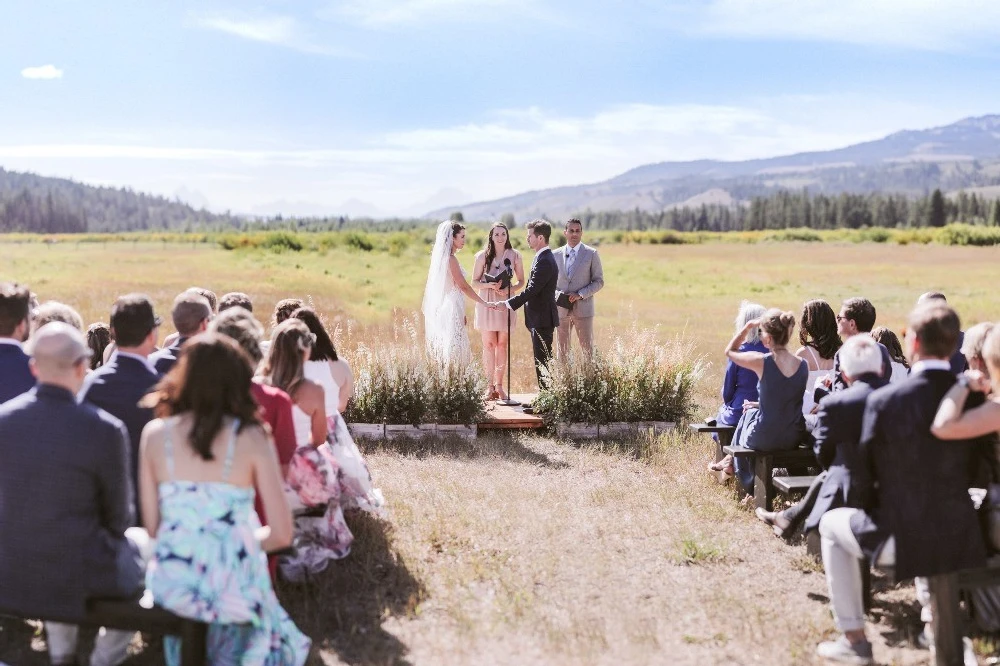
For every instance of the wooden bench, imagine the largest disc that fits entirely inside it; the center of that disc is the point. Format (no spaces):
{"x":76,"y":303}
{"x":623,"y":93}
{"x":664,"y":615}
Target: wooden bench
{"x":786,"y":485}
{"x":948,"y":624}
{"x":724,"y":435}
{"x":765,"y":463}
{"x":135,"y":616}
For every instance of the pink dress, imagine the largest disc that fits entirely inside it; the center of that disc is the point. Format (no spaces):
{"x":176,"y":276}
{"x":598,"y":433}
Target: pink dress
{"x":495,"y":320}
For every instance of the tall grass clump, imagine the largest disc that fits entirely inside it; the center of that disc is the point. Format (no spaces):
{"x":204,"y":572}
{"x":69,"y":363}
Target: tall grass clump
{"x":398,"y":382}
{"x":637,"y":378}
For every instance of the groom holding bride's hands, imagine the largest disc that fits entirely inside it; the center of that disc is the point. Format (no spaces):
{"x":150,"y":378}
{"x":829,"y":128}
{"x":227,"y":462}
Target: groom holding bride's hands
{"x":539,"y":297}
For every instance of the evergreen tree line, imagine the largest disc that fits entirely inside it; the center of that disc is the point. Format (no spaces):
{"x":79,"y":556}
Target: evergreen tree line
{"x":787,"y":209}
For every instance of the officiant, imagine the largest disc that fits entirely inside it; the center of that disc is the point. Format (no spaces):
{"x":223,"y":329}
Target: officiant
{"x":580,"y":277}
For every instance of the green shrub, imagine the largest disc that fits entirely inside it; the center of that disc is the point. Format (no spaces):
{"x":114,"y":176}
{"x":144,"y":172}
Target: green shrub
{"x":784,"y":235}
{"x":636,"y":379}
{"x":358,"y":241}
{"x":966,"y":234}
{"x":456,"y":393}
{"x":873,"y":235}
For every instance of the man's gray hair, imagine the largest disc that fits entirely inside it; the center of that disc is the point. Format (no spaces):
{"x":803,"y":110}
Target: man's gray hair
{"x":57,"y":347}
{"x":749,"y":311}
{"x":51,"y":311}
{"x":860,"y":355}
{"x":972,"y":344}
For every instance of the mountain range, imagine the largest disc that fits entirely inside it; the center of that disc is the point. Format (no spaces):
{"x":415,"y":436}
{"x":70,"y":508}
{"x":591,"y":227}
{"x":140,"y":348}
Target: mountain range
{"x":962,"y":156}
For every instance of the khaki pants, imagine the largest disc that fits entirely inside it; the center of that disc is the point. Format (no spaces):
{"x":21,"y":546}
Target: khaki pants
{"x":584,"y":332}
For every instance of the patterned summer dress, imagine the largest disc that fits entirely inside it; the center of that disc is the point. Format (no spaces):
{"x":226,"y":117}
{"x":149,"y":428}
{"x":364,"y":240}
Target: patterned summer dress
{"x":209,"y":566}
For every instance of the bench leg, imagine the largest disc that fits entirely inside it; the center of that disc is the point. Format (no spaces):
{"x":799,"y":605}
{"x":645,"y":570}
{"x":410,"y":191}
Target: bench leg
{"x":763,"y":488}
{"x":947,"y":620}
{"x":194,"y":644}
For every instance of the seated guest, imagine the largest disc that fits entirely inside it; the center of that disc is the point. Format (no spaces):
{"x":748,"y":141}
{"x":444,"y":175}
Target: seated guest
{"x":313,"y":475}
{"x":740,"y":384}
{"x":66,"y":501}
{"x":15,"y":318}
{"x":51,"y":311}
{"x":837,"y":432}
{"x":213,"y":304}
{"x":777,"y":423}
{"x":957,"y":359}
{"x":888,"y":339}
{"x":275,"y":405}
{"x":820,"y":342}
{"x":118,"y":385}
{"x":201,"y":462}
{"x":284,"y":309}
{"x":972,"y":347}
{"x":190,"y":314}
{"x":98,"y":339}
{"x":918,"y":515}
{"x":857,"y":315}
{"x":235,"y":299}
{"x":332,"y":373}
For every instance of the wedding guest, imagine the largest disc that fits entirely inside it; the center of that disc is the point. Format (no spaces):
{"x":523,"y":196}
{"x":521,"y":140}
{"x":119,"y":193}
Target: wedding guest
{"x":118,"y":385}
{"x":820,"y":342}
{"x":739,"y":386}
{"x":235,"y":299}
{"x":917,"y":516}
{"x":837,"y":433}
{"x":494,"y":325}
{"x":51,"y":311}
{"x":580,"y":277}
{"x":777,"y":423}
{"x":857,"y":315}
{"x":283,"y":309}
{"x":190,"y":315}
{"x":66,"y":501}
{"x":957,"y":359}
{"x":201,"y":463}
{"x":888,"y":339}
{"x":213,"y":303}
{"x":972,"y":346}
{"x":98,"y":339}
{"x":332,"y":373}
{"x":15,"y":322}
{"x":313,"y":474}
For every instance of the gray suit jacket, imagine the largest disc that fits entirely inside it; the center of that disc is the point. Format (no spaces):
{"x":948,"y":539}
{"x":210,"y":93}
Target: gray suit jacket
{"x":586,"y":280}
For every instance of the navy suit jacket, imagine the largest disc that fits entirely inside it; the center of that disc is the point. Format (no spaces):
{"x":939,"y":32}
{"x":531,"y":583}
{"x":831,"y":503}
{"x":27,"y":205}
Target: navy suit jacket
{"x":116,"y":387}
{"x":66,"y":498}
{"x":165,"y":359}
{"x":15,"y":374}
{"x":539,"y":296}
{"x":922,"y":496}
{"x":837,"y":435}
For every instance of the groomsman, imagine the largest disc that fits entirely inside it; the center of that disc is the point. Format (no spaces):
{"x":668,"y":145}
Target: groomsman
{"x":580,"y":277}
{"x":15,"y":320}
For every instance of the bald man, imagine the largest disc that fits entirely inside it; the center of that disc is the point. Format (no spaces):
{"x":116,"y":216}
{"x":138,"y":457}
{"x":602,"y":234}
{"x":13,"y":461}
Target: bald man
{"x":65,"y":501}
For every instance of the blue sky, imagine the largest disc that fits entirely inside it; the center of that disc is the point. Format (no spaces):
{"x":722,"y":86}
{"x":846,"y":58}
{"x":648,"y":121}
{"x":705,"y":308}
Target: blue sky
{"x":406,"y":105}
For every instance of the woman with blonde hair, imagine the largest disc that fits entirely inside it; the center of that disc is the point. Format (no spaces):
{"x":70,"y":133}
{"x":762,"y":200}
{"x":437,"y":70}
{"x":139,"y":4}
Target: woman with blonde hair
{"x":777,"y":423}
{"x":313,"y":471}
{"x":493,"y":259}
{"x":740,"y":384}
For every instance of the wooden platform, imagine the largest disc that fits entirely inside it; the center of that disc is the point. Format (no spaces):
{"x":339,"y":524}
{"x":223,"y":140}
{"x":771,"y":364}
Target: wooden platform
{"x":502,"y":417}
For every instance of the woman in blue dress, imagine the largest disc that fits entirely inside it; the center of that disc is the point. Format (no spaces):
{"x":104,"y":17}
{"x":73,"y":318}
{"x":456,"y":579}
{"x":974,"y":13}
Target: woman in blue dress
{"x":200,"y":464}
{"x":740,"y":384}
{"x":777,"y":423}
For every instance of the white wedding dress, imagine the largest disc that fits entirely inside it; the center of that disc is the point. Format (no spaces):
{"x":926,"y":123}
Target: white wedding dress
{"x":444,"y":306}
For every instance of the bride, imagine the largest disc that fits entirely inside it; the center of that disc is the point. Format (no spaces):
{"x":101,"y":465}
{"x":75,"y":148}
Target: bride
{"x":444,"y":303}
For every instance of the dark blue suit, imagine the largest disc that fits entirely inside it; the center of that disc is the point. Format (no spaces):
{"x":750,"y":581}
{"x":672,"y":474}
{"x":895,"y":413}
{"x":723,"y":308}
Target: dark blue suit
{"x":165,"y":359}
{"x":541,"y":316}
{"x":117,"y":387}
{"x":838,"y":433}
{"x":66,"y":499}
{"x":15,"y":374}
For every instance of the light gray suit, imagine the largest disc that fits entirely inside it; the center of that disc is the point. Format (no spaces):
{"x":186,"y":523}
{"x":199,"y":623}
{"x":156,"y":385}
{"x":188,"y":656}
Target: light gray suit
{"x":585,"y":279}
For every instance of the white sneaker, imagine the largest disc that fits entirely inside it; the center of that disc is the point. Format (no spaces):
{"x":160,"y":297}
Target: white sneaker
{"x":843,"y":651}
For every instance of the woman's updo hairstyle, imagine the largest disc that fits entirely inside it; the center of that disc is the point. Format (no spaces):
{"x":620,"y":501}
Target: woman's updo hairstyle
{"x":779,"y":325}
{"x":455,"y":228}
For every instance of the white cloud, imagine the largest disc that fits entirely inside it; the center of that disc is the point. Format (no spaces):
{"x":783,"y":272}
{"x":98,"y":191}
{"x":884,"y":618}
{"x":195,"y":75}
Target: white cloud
{"x":44,"y":72}
{"x":283,"y":31}
{"x":915,"y":24}
{"x":385,"y":13}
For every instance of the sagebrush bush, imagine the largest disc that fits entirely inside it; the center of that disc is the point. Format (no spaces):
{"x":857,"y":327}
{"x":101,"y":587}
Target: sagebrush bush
{"x":637,"y":378}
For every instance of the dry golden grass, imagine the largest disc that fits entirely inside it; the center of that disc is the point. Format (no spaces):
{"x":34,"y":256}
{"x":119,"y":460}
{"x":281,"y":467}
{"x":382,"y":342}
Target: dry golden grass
{"x":528,"y":550}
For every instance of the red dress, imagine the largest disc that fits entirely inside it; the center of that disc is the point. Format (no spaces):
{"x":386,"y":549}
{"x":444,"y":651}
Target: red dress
{"x":276,"y":411}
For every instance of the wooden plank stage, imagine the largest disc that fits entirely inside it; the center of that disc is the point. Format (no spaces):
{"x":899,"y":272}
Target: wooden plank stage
{"x":502,"y":417}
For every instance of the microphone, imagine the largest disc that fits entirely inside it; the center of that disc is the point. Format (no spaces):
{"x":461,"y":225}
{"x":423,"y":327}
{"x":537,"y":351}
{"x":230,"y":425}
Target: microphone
{"x":506,"y":263}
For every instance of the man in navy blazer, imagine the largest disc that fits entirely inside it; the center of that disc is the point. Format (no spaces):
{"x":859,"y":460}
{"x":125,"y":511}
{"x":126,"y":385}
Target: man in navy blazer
{"x":119,"y":384}
{"x":15,"y":313}
{"x":541,"y":316}
{"x":190,"y":314}
{"x":917,"y":515}
{"x":66,"y":501}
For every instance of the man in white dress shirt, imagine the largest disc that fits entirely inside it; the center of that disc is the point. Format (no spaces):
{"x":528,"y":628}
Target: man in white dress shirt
{"x":580,"y":277}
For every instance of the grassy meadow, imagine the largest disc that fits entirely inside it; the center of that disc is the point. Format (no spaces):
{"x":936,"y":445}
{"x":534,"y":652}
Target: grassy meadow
{"x":525,"y":549}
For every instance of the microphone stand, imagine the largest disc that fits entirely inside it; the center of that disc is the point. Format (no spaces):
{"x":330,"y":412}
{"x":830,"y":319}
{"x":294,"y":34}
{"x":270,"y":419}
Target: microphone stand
{"x":509,"y":402}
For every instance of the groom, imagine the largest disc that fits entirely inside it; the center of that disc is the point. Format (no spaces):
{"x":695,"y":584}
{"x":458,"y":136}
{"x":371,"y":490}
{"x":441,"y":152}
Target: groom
{"x":539,"y":298}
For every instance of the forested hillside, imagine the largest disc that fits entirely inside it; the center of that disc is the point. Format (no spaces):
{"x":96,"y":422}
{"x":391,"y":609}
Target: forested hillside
{"x":33,"y":203}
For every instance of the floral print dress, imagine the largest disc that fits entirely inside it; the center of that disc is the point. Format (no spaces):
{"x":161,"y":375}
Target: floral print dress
{"x":208,"y":566}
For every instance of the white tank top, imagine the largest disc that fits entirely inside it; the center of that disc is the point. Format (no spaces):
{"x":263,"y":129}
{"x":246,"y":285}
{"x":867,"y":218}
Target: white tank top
{"x":303,"y":427}
{"x":319,"y":372}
